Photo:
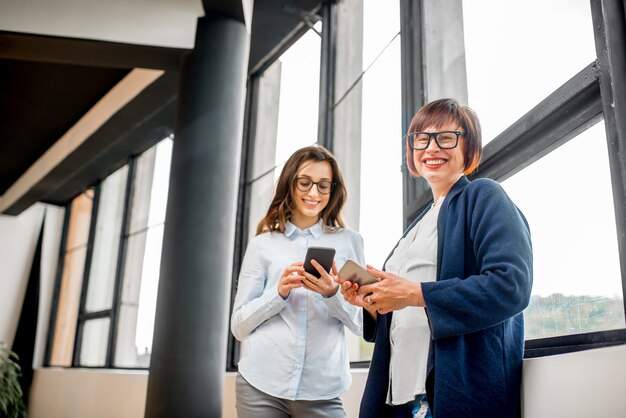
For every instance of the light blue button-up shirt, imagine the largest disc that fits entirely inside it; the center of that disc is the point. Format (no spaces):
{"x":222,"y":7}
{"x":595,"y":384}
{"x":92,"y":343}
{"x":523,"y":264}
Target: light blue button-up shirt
{"x":295,"y":348}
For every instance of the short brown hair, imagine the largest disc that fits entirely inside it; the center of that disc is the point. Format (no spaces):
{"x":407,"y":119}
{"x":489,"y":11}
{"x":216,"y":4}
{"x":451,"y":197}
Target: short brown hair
{"x":282,"y":204}
{"x":440,"y":112}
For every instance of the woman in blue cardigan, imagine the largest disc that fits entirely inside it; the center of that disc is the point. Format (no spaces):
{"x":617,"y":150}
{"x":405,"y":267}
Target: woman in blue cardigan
{"x":446,"y":313}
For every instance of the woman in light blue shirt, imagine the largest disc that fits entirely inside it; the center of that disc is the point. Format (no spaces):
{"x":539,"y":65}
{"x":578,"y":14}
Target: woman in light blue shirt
{"x":294,"y":360}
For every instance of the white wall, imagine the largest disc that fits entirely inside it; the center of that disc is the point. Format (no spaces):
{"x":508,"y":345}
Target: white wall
{"x":80,"y":393}
{"x":18,"y":240}
{"x":584,"y":384}
{"x":576,"y":385}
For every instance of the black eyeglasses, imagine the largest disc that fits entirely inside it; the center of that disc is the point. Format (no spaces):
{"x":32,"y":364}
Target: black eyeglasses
{"x":304,"y":184}
{"x":444,"y":139}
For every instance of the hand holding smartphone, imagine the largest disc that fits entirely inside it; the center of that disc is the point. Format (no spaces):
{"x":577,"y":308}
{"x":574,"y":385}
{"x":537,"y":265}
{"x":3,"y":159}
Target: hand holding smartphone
{"x":354,"y":273}
{"x":322,"y":255}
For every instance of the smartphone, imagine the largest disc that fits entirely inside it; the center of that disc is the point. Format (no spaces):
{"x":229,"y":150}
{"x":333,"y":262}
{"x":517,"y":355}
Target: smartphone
{"x":354,"y":273}
{"x":322,"y":255}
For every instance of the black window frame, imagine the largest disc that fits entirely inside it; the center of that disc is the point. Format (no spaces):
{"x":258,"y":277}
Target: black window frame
{"x":597,"y":92}
{"x":111,"y":313}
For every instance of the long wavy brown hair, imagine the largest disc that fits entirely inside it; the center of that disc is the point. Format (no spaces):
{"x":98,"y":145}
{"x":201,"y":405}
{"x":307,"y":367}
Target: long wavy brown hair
{"x":282,"y":205}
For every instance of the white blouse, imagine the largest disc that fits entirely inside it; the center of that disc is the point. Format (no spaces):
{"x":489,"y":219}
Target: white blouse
{"x":415,"y":259}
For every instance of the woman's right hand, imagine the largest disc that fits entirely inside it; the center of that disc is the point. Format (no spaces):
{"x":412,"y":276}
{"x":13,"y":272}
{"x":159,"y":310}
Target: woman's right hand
{"x":350,"y":293}
{"x":291,"y":279}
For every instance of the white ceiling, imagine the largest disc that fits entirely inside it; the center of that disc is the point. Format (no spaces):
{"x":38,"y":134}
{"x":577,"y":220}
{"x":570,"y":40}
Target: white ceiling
{"x":125,"y":21}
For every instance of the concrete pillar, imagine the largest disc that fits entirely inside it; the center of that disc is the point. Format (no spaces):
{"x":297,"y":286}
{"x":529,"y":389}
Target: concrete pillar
{"x":191,"y":325}
{"x":444,"y":50}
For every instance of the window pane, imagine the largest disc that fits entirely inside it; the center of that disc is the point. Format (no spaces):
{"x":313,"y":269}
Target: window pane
{"x":381,"y":145}
{"x":93,"y":349}
{"x":290,"y":88}
{"x":71,"y":280}
{"x":261,"y":193}
{"x":517,"y":53}
{"x":150,"y":186}
{"x":381,"y":140}
{"x":80,"y":218}
{"x":299,"y":95}
{"x":577,"y":282}
{"x":126,"y":350}
{"x":142,"y":187}
{"x":143,"y":258}
{"x":67,"y":313}
{"x":106,"y":241}
{"x":138,"y":305}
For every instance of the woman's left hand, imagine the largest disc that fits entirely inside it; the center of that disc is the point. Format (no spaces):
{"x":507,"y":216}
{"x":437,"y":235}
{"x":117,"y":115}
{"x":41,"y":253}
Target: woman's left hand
{"x":325,"y":285}
{"x":391,"y":293}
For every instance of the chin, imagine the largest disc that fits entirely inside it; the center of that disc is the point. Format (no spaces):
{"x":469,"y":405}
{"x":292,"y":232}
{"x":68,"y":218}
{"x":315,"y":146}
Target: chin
{"x":312,"y":214}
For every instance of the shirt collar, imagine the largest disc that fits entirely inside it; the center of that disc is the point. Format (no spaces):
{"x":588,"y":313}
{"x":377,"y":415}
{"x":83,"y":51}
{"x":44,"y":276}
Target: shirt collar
{"x":316,"y":230}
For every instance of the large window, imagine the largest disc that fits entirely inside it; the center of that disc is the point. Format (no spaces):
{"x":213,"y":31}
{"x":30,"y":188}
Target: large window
{"x":517,"y":53}
{"x":380,"y":208}
{"x":110,"y":271}
{"x":381,"y":135}
{"x":577,"y":281}
{"x":365,"y":112}
{"x":143,"y":255}
{"x":546,"y":142}
{"x":533,"y":76}
{"x":289,"y":107}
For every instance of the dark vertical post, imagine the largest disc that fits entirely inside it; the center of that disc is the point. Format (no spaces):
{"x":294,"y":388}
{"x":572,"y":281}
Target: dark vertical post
{"x":416,"y":192}
{"x":327,"y":76}
{"x":609,"y":22}
{"x":190,"y":334}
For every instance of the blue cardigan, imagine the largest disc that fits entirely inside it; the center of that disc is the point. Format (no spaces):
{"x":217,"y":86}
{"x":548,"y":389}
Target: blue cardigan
{"x":484,"y":280}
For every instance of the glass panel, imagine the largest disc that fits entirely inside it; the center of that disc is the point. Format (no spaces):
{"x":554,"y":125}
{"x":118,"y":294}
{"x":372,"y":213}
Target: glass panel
{"x":261,"y":193}
{"x":72,"y":279}
{"x":106,"y":241}
{"x":160,"y":182}
{"x":381,"y":142}
{"x":151,"y":184}
{"x":138,"y":305}
{"x":67,"y":313}
{"x":577,"y":282}
{"x":299,"y":95}
{"x":80,"y":218}
{"x":142,"y":187}
{"x":143,"y":259}
{"x":292,"y":85}
{"x":540,"y":44}
{"x":126,"y":349}
{"x":149,"y":288}
{"x":93,"y":349}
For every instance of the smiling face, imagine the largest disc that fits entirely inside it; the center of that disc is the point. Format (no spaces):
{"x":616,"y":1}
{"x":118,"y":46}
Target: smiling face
{"x":309,"y":205}
{"x":440,"y":167}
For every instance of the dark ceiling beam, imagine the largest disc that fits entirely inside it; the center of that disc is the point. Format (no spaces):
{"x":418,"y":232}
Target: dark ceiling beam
{"x":571,"y":109}
{"x":235,"y":9}
{"x":148,"y":118}
{"x":275,"y":26}
{"x":91,"y":53}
